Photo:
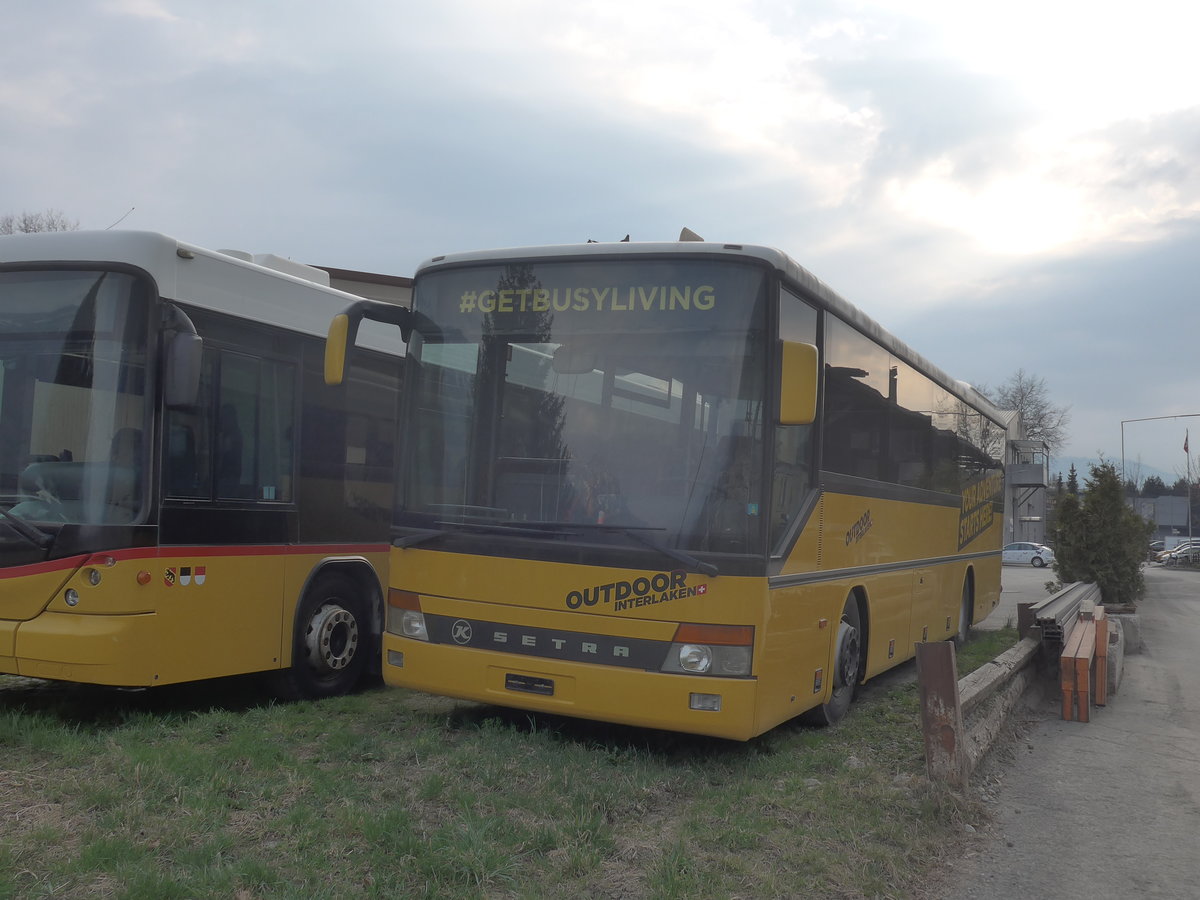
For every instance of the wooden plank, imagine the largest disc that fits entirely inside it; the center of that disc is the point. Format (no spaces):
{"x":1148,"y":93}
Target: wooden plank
{"x":1083,"y":671}
{"x":1101,"y":657}
{"x":1067,"y":677}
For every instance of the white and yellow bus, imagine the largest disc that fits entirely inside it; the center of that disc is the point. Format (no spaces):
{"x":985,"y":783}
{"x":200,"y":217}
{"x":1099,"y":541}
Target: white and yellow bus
{"x":677,"y":485}
{"x":181,"y":495}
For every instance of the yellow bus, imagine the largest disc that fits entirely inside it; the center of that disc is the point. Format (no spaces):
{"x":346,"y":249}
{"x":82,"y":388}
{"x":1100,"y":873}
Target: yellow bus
{"x":181,"y":495}
{"x":676,"y":485}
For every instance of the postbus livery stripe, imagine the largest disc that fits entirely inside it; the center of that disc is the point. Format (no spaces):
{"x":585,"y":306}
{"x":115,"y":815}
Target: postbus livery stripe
{"x":205,"y":551}
{"x":782,"y":581}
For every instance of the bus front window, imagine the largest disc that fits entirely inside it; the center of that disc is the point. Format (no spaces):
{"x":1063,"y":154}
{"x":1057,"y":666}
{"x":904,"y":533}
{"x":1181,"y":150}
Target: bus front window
{"x":72,"y":395}
{"x":556,"y":420}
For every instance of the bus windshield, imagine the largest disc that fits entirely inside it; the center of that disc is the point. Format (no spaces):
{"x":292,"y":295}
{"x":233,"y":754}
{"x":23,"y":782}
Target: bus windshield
{"x":72,"y":395}
{"x":576,"y":398}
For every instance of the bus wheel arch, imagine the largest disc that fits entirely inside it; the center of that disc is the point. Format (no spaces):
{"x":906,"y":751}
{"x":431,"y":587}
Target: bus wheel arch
{"x":849,"y":660}
{"x":966,"y":607}
{"x":335,"y":632}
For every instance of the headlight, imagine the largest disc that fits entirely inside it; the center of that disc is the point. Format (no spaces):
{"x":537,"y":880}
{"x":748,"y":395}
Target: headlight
{"x":695,"y":658}
{"x":412,"y":624}
{"x":404,"y":615}
{"x":721,"y":650}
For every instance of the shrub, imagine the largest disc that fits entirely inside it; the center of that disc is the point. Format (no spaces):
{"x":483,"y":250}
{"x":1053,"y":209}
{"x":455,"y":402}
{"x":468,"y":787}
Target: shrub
{"x":1099,"y":538}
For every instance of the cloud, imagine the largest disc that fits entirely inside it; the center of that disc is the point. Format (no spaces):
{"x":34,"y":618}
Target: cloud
{"x":1106,"y":327}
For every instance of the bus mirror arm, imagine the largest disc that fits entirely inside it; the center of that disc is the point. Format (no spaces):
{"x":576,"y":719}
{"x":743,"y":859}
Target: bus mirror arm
{"x":343,"y":331}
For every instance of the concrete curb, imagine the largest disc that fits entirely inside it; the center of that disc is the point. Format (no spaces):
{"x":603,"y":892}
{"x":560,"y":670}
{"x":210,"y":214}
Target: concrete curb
{"x":989,"y":694}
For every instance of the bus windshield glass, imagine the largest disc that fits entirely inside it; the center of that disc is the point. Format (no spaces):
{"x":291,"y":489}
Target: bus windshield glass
{"x":72,"y":395}
{"x":582,"y":398}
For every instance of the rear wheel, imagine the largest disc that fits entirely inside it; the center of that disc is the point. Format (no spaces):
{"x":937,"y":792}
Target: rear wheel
{"x":966,"y":610}
{"x":847,"y":668}
{"x":331,"y":640}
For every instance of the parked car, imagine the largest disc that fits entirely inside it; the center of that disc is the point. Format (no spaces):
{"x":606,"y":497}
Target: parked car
{"x":1024,"y":553}
{"x":1184,"y":554}
{"x":1170,"y":557}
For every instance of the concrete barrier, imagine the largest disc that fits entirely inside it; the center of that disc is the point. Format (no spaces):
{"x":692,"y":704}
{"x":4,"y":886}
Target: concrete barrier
{"x":990,"y":693}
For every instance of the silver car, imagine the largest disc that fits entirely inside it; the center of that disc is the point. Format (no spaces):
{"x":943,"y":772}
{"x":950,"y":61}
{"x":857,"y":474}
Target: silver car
{"x":1023,"y":553}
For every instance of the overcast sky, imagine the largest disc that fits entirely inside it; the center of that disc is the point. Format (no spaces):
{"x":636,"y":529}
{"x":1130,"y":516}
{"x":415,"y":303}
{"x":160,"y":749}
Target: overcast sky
{"x":1004,"y":186}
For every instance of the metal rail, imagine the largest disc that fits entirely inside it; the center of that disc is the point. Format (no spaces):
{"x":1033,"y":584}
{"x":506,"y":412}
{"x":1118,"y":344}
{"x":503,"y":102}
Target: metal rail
{"x":1059,"y":612}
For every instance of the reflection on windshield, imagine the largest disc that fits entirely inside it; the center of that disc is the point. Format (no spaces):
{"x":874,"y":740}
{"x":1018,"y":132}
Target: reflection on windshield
{"x":664,"y":432}
{"x":72,"y":395}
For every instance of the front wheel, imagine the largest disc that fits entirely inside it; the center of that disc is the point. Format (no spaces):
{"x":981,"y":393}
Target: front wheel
{"x":1039,"y":563}
{"x":331,"y":640}
{"x":847,"y":668}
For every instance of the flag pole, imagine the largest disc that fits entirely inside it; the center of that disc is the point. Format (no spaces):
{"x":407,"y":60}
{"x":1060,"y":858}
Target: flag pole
{"x":1188,"y":456}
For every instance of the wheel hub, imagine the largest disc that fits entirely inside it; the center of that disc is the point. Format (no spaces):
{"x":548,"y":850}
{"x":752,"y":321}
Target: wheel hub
{"x":846,"y":665}
{"x":332,"y":639}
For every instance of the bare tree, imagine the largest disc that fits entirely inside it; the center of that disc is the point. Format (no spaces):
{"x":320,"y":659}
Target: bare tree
{"x":24,"y":222}
{"x":1029,"y":395}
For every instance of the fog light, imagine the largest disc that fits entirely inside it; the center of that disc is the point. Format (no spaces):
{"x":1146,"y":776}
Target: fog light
{"x":72,"y":597}
{"x":706,"y":702}
{"x":395,"y":658}
{"x":93,"y":577}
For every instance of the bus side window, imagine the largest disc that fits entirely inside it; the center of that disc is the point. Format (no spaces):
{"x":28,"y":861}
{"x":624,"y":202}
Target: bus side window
{"x":187,"y":458}
{"x":254,"y":454}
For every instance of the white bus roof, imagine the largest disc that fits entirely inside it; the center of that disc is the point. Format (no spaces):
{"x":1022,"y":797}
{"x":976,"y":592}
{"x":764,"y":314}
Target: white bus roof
{"x":791,"y":271}
{"x":208,"y":279}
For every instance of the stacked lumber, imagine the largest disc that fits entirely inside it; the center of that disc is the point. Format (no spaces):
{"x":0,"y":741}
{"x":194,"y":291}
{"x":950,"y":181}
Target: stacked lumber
{"x":1083,"y":664}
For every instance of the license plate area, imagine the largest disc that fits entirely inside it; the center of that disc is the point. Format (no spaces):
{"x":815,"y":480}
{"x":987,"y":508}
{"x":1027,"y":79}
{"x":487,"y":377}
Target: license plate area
{"x":529,"y":684}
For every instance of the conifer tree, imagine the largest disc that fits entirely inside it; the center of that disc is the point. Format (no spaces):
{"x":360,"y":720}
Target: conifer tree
{"x":1099,"y":538}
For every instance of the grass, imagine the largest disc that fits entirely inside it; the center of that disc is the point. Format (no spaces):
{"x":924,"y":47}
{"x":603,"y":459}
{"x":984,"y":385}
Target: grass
{"x":215,"y":791}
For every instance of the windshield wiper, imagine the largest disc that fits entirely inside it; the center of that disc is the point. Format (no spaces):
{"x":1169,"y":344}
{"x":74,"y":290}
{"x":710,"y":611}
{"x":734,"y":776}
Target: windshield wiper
{"x":670,"y":552}
{"x":33,"y":534}
{"x":558,"y":529}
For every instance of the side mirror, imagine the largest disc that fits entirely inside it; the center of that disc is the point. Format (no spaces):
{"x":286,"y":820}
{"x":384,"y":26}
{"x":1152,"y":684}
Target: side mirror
{"x":181,"y":374}
{"x":344,"y":329}
{"x":799,"y":371}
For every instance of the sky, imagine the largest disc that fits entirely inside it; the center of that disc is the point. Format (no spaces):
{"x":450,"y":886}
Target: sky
{"x":1003,"y":186}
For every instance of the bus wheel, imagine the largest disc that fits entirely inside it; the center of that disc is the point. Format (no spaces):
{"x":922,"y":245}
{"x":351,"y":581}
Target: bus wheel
{"x":847,"y":668}
{"x":331,"y":640}
{"x":966,"y":609}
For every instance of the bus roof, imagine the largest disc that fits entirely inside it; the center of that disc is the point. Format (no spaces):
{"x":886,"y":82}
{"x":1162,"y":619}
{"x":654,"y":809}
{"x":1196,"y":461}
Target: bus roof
{"x":790,"y":271}
{"x":208,"y":279}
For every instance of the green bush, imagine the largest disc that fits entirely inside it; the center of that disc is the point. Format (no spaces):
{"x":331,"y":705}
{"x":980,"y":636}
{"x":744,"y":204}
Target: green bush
{"x":1100,"y":539}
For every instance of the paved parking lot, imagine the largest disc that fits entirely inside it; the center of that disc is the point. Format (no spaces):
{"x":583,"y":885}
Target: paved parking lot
{"x":1018,"y":584}
{"x":1108,"y":808}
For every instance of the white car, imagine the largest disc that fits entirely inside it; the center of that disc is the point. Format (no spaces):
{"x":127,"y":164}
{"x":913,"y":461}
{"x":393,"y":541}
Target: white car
{"x":1023,"y":553}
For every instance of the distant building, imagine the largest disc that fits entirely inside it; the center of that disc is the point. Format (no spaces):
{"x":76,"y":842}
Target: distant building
{"x":1027,"y":476}
{"x":1169,"y":515}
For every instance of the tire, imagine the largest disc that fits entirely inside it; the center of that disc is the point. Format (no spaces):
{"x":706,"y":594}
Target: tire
{"x":848,"y":665}
{"x":1038,"y":562}
{"x":966,"y":610}
{"x":331,"y":641}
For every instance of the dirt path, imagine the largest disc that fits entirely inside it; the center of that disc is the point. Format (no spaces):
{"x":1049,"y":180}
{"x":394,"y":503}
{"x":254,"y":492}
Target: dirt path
{"x":1110,"y":808}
